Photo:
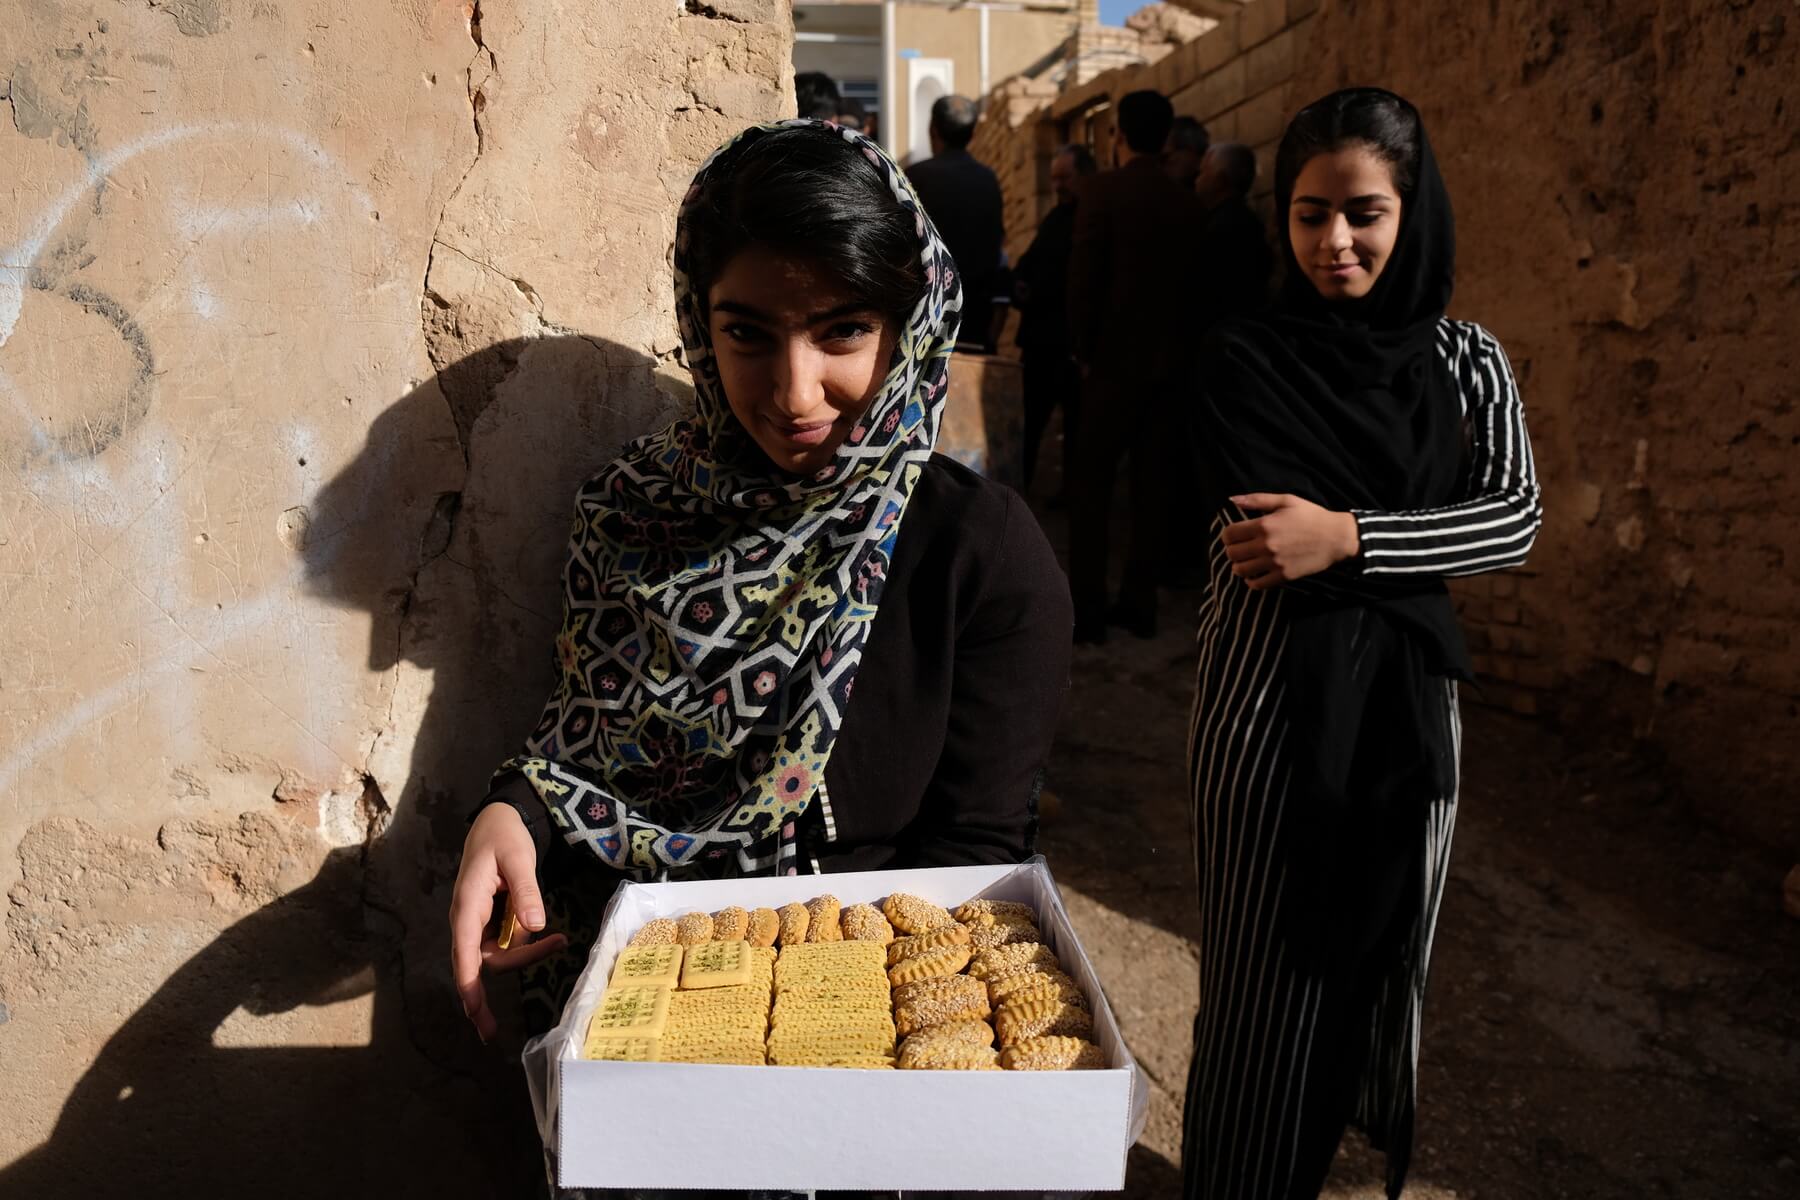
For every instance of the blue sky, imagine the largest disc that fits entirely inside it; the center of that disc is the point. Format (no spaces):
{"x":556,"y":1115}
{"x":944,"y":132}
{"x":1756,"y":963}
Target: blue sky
{"x":1114,"y":12}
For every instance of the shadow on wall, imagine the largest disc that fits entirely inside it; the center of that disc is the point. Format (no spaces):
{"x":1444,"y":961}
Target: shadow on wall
{"x":423,"y":1109}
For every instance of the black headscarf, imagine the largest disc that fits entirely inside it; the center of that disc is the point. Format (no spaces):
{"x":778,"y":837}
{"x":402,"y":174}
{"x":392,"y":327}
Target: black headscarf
{"x":1347,"y":404}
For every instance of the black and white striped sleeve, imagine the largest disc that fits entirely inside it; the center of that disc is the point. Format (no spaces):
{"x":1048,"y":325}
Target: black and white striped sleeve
{"x":1494,"y":528}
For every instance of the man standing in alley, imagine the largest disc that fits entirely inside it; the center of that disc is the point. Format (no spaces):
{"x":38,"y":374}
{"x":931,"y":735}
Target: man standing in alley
{"x":1133,"y":273}
{"x":1237,"y":262}
{"x":1188,"y":143}
{"x":816,"y":95}
{"x":1040,"y":292}
{"x":962,"y":197}
{"x":1234,"y":244}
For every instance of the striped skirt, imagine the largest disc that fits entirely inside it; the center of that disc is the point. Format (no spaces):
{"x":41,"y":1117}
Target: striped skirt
{"x":1286,"y":1055}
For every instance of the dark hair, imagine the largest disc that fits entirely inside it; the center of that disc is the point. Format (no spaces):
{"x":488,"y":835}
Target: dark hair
{"x":1084,"y":158}
{"x":806,"y":192}
{"x":1144,"y":119}
{"x":1371,"y":117}
{"x":1237,"y":162}
{"x":852,"y":114}
{"x":954,"y":119}
{"x":1187,"y":133}
{"x":816,"y":95}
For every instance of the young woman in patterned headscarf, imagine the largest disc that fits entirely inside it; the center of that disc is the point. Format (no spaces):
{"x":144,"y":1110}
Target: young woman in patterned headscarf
{"x":794,"y":639}
{"x":1361,"y":448}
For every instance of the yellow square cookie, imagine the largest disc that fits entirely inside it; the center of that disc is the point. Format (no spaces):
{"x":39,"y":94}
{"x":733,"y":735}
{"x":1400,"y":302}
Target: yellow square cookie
{"x":791,"y":1045}
{"x":717,"y":964}
{"x":741,"y":1000}
{"x":839,"y":953}
{"x":623,"y":1049}
{"x":713,"y":1046}
{"x":830,"y":999}
{"x":635,"y":1010}
{"x":865,"y":1062}
{"x":660,"y":965}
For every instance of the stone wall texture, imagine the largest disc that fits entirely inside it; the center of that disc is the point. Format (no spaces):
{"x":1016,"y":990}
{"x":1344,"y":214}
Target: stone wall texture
{"x":312,"y":316}
{"x":1624,"y":176}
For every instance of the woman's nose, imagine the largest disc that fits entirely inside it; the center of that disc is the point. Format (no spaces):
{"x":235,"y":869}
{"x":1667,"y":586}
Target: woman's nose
{"x":1337,"y":233}
{"x":798,"y":377}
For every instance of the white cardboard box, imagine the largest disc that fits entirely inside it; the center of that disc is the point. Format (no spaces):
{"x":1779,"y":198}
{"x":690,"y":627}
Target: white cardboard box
{"x":679,"y":1125}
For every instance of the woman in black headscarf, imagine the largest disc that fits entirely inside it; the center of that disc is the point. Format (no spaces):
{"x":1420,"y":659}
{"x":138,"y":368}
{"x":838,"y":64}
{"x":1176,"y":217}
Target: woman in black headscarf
{"x":1360,"y":448}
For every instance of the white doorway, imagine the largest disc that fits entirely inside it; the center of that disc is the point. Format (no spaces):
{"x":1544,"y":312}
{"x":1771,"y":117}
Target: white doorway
{"x":927,"y":80}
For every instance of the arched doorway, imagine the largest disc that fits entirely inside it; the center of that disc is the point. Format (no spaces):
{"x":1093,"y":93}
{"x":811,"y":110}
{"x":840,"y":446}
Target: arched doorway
{"x":927,"y":80}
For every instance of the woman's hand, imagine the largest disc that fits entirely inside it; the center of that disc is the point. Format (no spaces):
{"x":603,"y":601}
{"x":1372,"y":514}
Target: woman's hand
{"x":498,"y":856}
{"x":1293,"y":538}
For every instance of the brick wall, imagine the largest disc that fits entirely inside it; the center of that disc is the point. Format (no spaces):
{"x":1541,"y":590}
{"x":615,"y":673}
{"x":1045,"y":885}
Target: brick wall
{"x":1235,"y":78}
{"x":1624,"y":177}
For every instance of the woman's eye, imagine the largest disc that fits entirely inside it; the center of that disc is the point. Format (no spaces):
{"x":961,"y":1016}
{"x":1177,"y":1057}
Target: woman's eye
{"x":1312,"y":219}
{"x":1363,"y":220}
{"x":849,"y":331}
{"x":743,"y":334}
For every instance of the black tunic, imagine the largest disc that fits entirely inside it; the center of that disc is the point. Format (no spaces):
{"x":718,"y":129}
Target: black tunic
{"x":953,"y":709}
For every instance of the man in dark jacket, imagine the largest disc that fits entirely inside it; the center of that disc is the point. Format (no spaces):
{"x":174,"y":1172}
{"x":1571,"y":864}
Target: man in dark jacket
{"x":1188,"y":143}
{"x":816,"y":95}
{"x":1234,"y":244}
{"x":962,"y":198}
{"x":1040,"y":292}
{"x":1133,"y":275}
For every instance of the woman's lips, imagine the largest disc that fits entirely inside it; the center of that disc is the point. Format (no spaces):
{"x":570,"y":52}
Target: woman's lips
{"x":1342,"y":269}
{"x":807,"y":434}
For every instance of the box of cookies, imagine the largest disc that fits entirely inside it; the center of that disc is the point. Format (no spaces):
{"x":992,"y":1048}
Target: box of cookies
{"x":929,"y":1029}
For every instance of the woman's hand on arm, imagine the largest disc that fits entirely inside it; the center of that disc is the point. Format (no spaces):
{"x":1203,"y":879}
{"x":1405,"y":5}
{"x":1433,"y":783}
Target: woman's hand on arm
{"x":499,"y":856}
{"x":1293,"y":538}
{"x":1492,"y":528}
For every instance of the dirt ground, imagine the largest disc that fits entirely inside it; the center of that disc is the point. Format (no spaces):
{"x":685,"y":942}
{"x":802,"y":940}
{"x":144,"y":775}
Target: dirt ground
{"x":1615,"y":997}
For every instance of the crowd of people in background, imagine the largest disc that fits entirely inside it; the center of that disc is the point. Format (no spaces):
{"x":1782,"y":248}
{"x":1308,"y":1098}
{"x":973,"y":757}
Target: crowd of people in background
{"x":1129,"y":269}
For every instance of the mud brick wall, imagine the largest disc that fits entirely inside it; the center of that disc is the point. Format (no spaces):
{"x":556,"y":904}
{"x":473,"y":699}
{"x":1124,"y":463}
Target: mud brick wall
{"x":1624,"y":176}
{"x":312,"y":316}
{"x":1234,"y":78}
{"x":1508,"y":655}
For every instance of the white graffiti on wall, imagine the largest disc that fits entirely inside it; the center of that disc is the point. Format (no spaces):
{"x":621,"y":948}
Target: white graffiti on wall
{"x":111,"y":492}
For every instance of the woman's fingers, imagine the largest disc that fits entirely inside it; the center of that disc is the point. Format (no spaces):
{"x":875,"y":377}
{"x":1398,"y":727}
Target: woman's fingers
{"x":1253,"y":568}
{"x":1263,"y":501}
{"x":470,"y":909}
{"x":517,"y":861}
{"x":494,"y":959}
{"x":1240,"y":531}
{"x":498,"y":856}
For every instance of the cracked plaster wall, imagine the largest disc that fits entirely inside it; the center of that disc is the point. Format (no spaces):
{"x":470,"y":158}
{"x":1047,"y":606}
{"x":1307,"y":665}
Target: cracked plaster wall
{"x":311,"y":319}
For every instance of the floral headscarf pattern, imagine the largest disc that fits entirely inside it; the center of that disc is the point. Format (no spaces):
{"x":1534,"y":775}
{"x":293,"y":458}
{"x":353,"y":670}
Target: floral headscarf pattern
{"x":715,"y":612}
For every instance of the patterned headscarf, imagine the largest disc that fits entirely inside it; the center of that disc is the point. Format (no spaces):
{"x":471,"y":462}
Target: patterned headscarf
{"x":715,"y":610}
